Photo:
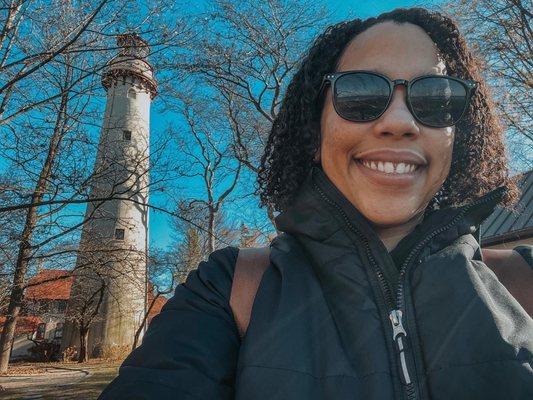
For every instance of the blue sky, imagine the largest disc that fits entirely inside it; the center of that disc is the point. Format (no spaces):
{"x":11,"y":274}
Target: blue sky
{"x":369,"y":8}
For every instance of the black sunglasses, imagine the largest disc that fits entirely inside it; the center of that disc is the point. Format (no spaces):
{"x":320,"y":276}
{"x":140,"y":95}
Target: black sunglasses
{"x":434,"y":100}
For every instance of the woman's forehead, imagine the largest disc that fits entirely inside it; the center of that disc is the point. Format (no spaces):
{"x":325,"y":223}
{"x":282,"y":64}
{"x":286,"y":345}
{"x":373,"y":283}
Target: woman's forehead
{"x":396,"y":50}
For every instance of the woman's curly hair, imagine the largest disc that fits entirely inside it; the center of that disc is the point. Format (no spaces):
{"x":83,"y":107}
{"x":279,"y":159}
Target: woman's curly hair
{"x":479,"y":161}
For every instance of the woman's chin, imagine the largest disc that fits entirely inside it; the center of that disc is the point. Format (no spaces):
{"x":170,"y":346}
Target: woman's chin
{"x":392,"y":213}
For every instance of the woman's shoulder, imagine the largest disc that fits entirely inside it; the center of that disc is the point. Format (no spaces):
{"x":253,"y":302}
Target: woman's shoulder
{"x":211,"y":280}
{"x":219,"y":265}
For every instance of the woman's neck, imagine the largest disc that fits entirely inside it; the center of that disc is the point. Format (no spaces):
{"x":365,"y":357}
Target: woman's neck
{"x":391,"y":235}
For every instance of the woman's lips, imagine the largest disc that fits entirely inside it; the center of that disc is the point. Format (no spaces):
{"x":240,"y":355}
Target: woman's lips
{"x":411,"y":156}
{"x":405,"y":179}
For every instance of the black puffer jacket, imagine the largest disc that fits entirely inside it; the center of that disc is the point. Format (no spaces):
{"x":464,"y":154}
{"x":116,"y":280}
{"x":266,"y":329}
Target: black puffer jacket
{"x":335,"y":318}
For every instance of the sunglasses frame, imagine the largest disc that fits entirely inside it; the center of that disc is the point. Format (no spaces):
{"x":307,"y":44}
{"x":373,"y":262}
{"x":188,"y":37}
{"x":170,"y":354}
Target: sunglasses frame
{"x":332,"y":78}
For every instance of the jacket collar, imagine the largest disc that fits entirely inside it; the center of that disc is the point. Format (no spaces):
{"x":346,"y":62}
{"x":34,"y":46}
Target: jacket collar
{"x":319,"y":210}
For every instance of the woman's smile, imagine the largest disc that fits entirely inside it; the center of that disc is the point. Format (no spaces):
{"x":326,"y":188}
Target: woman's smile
{"x":389,"y":167}
{"x":385,"y":174}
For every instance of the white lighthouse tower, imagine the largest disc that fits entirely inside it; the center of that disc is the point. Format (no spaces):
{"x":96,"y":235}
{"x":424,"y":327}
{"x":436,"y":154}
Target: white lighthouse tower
{"x":108,"y":296}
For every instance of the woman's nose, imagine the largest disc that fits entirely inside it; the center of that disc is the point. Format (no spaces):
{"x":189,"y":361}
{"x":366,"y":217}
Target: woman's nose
{"x":397,"y":120}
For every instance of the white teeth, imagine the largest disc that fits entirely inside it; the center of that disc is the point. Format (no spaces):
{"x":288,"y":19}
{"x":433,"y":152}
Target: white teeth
{"x":400,"y":168}
{"x":390,"y":167}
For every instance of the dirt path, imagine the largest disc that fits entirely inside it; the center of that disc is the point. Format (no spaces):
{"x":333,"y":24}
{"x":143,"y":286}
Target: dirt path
{"x":61,"y":382}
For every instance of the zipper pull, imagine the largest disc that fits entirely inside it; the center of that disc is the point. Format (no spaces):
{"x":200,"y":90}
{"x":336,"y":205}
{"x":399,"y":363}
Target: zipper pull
{"x":397,"y":327}
{"x":397,"y":332}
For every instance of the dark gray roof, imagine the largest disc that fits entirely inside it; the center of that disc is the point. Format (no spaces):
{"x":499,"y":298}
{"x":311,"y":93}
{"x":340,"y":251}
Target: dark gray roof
{"x":505,"y":225}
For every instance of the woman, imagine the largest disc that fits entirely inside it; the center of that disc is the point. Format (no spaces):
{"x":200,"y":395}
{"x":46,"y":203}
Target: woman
{"x":384,"y":160}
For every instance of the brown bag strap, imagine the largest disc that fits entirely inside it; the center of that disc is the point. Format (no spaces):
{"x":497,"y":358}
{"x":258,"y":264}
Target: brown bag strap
{"x":514,"y":273}
{"x":249,"y":268}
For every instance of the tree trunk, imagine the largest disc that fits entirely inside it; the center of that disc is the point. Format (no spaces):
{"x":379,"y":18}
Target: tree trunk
{"x":17,"y":292}
{"x":211,"y":231}
{"x":9,"y":23}
{"x":143,"y":322}
{"x":84,"y":337}
{"x":21,"y":267}
{"x":23,"y":257}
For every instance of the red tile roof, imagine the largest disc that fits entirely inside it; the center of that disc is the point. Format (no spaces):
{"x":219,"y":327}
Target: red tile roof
{"x":25,"y":325}
{"x":159,"y":303}
{"x":56,"y":286}
{"x":156,"y":309}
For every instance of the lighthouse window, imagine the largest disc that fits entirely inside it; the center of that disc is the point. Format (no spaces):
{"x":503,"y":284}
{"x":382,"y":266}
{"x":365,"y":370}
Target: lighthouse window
{"x":126,"y":135}
{"x":132,"y":94}
{"x":119,"y":234}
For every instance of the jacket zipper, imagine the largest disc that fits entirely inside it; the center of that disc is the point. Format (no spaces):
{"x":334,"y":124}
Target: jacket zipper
{"x":395,"y":307}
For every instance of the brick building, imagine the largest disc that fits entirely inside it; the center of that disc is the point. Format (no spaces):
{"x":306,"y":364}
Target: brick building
{"x":43,"y":314}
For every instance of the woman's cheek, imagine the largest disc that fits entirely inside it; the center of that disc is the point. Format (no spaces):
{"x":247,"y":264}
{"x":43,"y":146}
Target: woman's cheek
{"x":441,"y":148}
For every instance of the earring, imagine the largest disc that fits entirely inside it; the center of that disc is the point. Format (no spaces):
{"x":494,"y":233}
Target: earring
{"x":435,"y":205}
{"x":437,"y":200}
{"x":316,"y":157}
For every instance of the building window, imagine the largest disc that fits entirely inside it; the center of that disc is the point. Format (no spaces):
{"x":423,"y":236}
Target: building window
{"x":41,"y":329}
{"x":58,"y":334}
{"x":132,"y":94}
{"x":126,"y":135}
{"x":61,"y":306}
{"x":44,"y":306}
{"x":119,"y":234}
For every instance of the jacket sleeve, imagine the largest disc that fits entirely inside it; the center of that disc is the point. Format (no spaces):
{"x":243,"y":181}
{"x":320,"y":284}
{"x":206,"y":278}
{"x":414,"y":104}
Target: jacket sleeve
{"x":526,"y":251}
{"x":190,"y":349}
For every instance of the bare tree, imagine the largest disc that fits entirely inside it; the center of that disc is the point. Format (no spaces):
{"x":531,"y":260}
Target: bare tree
{"x":249,"y":237}
{"x":245,"y":53}
{"x":85,"y":315}
{"x":208,"y":161}
{"x":162,"y":276}
{"x":21,"y":263}
{"x":11,"y":227}
{"x":189,"y":253}
{"x":501,"y":33}
{"x":21,"y":60}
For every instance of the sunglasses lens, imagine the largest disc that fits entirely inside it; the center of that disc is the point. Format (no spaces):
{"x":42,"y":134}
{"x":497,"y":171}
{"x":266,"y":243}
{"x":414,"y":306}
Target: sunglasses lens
{"x":438,"y":102}
{"x":361,"y":96}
